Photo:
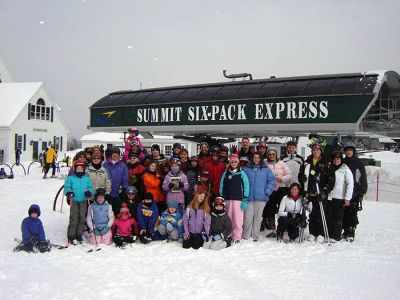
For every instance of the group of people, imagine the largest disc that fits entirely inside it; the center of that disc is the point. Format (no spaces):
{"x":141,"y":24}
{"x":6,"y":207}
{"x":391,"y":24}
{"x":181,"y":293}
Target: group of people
{"x":213,"y":199}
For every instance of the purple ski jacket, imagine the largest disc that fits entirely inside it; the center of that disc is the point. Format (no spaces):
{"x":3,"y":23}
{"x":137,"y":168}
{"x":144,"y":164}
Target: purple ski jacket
{"x":196,"y":221}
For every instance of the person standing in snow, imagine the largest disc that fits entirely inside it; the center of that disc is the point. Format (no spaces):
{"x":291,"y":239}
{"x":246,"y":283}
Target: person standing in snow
{"x":282,"y":176}
{"x":98,"y":175}
{"x":50,"y":159}
{"x":78,"y":189}
{"x":175,"y":184}
{"x":33,"y":236}
{"x":17,"y":155}
{"x":216,"y":168}
{"x":99,"y":219}
{"x":152,"y":184}
{"x":261,"y":186}
{"x":234,"y":188}
{"x":311,"y":174}
{"x":350,"y":219}
{"x":339,"y":192}
{"x":294,"y":161}
{"x":119,"y":178}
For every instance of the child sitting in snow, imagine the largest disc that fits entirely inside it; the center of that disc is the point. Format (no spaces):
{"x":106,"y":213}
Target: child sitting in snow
{"x":125,"y":227}
{"x":290,"y":217}
{"x":221,"y":226}
{"x":171,"y":222}
{"x":147,"y":216}
{"x":33,"y":237}
{"x":196,"y":222}
{"x":99,"y":219}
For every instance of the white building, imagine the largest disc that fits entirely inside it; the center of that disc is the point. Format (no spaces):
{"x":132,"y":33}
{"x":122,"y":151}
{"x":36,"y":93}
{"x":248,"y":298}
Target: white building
{"x":117,"y":139}
{"x":30,"y":120}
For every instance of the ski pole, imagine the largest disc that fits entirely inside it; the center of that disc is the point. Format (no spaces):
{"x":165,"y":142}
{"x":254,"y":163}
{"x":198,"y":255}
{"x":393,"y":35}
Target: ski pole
{"x":321,"y":208}
{"x":91,"y":218}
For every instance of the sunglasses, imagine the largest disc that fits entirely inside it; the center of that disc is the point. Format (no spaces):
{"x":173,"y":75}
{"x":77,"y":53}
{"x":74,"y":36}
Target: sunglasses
{"x":271,"y":154}
{"x":94,"y":158}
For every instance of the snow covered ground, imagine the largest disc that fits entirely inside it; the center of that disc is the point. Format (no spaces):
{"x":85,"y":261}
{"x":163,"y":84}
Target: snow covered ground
{"x":369,"y":268}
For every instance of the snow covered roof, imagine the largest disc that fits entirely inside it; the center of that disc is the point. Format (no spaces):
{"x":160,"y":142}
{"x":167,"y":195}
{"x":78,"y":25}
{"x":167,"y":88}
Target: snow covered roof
{"x":106,"y":137}
{"x":13,"y":97}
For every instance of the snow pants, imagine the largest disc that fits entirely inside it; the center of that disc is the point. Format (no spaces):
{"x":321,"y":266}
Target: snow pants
{"x":195,"y":241}
{"x":334,"y":218}
{"x":350,"y":218}
{"x":315,"y":221}
{"x":215,"y":245}
{"x":236,"y":214}
{"x":77,"y":219}
{"x":284,"y":224}
{"x":252,"y":219}
{"x":101,"y":239}
{"x":171,"y":235}
{"x":119,"y":240}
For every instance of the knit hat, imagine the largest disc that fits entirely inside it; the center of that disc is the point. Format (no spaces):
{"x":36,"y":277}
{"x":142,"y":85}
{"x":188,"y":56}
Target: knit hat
{"x":124,"y":211}
{"x":215,"y":149}
{"x":194,"y":158}
{"x":155,"y":147}
{"x":148,"y":196}
{"x":350,"y":146}
{"x":272,"y":150}
{"x":132,"y":154}
{"x":173,"y":204}
{"x":174,"y":160}
{"x":204,"y":143}
{"x":176,"y":145}
{"x":133,"y":129}
{"x":218,"y":201}
{"x":115,"y":150}
{"x":234,"y":158}
{"x":244,"y":158}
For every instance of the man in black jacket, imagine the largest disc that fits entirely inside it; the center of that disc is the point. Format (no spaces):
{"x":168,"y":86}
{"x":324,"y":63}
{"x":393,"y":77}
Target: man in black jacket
{"x":350,"y":219}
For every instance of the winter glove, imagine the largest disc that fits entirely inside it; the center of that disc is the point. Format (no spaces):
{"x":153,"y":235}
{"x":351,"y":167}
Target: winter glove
{"x":88,"y":194}
{"x":204,"y":236}
{"x":243,"y":205}
{"x":217,"y":237}
{"x":170,"y":185}
{"x":181,"y":185}
{"x":104,"y":230}
{"x":70,"y":195}
{"x":169,"y":227}
{"x":304,"y":178}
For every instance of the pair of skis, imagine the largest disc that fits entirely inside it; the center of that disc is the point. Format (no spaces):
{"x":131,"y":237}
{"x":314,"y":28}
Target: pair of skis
{"x":61,"y":247}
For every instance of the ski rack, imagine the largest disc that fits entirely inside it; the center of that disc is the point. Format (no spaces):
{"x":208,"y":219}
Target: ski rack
{"x":11,"y":171}
{"x":55,"y":199}
{"x":35,"y":161}
{"x":15,"y":164}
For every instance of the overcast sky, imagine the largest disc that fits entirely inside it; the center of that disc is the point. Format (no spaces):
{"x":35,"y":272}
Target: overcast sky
{"x":85,"y":49}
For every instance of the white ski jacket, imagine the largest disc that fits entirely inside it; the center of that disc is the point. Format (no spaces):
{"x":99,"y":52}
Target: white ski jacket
{"x":344,"y":184}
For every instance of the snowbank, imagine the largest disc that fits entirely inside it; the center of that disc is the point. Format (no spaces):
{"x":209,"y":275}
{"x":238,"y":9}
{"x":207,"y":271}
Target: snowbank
{"x":369,"y":268}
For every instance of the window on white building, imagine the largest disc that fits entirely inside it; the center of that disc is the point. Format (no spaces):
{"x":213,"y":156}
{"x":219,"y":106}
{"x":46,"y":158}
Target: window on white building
{"x":167,"y":150}
{"x":40,"y":111}
{"x":19,"y":141}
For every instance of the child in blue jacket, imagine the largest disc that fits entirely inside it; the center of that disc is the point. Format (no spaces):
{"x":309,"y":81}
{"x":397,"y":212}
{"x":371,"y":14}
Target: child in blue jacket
{"x":79,"y":189}
{"x":171,"y":222}
{"x":33,"y":237}
{"x":147,"y":216}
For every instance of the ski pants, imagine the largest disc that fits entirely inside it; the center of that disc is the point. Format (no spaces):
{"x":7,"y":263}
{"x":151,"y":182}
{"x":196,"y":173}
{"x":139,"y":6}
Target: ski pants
{"x":284,"y":224}
{"x":236,"y":214}
{"x":47,"y":168}
{"x":119,"y":240}
{"x":172,"y":235}
{"x":215,"y":245}
{"x":315,"y":221}
{"x":101,"y":239}
{"x":195,"y":241}
{"x":252,"y":219}
{"x":77,"y":219}
{"x":334,"y":218}
{"x":350,"y":218}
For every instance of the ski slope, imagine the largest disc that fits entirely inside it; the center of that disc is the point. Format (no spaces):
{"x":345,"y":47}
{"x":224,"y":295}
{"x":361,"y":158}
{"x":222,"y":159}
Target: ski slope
{"x":369,"y":268}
